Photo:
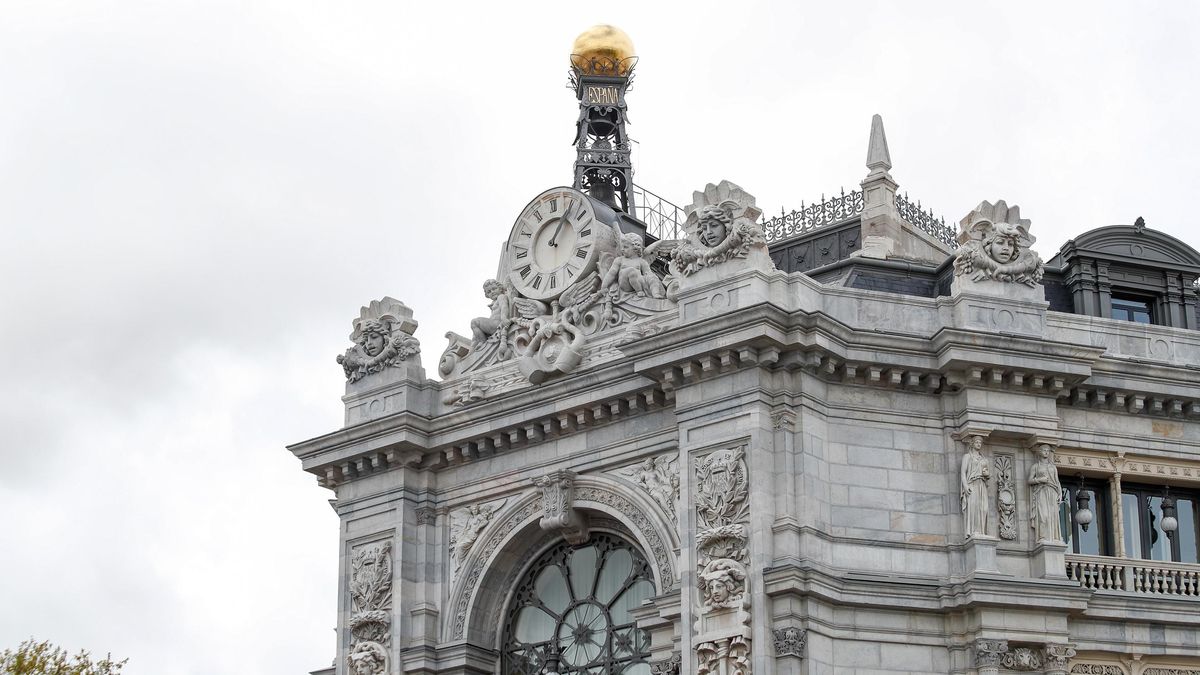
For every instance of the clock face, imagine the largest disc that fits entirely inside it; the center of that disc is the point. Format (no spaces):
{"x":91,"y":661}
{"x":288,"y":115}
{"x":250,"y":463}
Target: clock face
{"x":553,"y":243}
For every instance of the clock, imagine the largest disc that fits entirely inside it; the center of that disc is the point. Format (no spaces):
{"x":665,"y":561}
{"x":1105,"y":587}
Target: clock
{"x":554,"y":243}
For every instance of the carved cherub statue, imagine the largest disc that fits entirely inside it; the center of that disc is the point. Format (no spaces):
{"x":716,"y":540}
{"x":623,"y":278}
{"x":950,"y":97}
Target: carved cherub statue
{"x":485,"y":328}
{"x":995,"y":244}
{"x":630,"y":272}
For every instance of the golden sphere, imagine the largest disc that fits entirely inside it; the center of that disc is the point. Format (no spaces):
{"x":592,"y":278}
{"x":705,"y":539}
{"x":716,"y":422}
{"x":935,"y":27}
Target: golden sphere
{"x":602,"y":50}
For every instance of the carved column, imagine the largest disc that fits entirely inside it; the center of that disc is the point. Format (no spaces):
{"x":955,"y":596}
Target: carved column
{"x":988,"y":654}
{"x":1104,"y":289}
{"x":1114,"y":492}
{"x":1058,"y":658}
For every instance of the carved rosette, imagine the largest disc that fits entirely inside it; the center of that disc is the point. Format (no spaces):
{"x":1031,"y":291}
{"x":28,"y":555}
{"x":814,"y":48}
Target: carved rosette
{"x":790,"y":641}
{"x":383,"y":338}
{"x":1006,"y":497}
{"x":558,"y":510}
{"x":722,"y":515}
{"x":722,"y":226}
{"x":370,"y":609}
{"x":994,"y":244}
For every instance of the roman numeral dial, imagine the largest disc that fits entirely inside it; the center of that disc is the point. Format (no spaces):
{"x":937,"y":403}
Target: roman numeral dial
{"x":553,"y":243}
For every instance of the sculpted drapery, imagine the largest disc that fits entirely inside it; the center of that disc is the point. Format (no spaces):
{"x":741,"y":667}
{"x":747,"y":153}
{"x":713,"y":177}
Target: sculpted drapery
{"x":1045,"y":494}
{"x":973,"y":492}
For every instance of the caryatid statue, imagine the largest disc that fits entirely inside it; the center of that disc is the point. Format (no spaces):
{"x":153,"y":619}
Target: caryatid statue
{"x":1045,"y":495}
{"x":973,"y":491}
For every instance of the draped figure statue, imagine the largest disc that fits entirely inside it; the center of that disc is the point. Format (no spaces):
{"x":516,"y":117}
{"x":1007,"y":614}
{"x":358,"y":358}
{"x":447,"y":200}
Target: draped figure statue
{"x":973,"y":492}
{"x":1045,"y":495}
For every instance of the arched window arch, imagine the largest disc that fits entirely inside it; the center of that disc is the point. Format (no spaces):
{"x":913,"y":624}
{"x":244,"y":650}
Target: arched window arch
{"x":574,"y":603}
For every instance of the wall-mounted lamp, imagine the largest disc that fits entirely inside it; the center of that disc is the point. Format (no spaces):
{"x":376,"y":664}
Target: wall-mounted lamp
{"x":1083,"y":510}
{"x":1169,"y":523}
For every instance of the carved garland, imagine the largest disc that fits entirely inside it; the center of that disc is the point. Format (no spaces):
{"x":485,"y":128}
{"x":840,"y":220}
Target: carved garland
{"x":370,"y":609}
{"x":1006,"y":497}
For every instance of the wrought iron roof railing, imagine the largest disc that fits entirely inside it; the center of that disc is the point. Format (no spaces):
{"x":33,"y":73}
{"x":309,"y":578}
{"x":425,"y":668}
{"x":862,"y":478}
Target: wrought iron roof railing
{"x":925,"y":221}
{"x":663,"y":219}
{"x":836,"y":209}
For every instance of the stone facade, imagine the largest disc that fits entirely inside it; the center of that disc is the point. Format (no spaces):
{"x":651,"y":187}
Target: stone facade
{"x":820,"y":478}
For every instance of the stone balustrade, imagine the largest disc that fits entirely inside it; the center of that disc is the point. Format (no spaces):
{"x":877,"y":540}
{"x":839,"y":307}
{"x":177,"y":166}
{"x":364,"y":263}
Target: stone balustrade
{"x":1152,"y":577}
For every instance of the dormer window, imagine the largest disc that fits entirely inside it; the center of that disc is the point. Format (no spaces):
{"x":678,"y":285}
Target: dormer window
{"x":1130,"y":308}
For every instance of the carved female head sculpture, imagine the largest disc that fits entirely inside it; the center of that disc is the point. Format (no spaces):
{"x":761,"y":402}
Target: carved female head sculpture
{"x":367,"y":658}
{"x":374,"y":338}
{"x":714,"y":225}
{"x":976,"y":443}
{"x":1002,"y":243}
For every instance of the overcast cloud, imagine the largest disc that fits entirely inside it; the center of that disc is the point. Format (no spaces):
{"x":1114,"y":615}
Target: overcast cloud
{"x":196,"y":198}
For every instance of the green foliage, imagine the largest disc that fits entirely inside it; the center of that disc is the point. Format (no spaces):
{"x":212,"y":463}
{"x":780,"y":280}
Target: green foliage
{"x":43,"y":658}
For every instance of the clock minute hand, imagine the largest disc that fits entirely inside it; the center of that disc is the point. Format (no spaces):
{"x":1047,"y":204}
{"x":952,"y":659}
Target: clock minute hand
{"x":557,"y":231}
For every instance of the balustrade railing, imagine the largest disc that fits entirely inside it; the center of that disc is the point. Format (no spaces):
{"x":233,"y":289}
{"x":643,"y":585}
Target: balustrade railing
{"x":925,"y":221}
{"x":1152,"y":577}
{"x":1097,"y":572}
{"x":663,"y":219}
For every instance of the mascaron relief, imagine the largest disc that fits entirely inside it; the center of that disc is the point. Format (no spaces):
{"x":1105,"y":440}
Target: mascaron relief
{"x":370,"y":609}
{"x":383,"y":338}
{"x":721,"y":224}
{"x":994,"y":244}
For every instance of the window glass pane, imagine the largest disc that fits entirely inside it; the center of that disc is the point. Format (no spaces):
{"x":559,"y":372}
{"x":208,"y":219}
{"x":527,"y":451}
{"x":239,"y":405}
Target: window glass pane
{"x":1131,"y":518}
{"x":1089,"y":542}
{"x":552,"y":589}
{"x":617,"y":566}
{"x":1160,"y":546}
{"x":1187,"y":530}
{"x":630,"y":599}
{"x":582,"y":564}
{"x":534,"y":625}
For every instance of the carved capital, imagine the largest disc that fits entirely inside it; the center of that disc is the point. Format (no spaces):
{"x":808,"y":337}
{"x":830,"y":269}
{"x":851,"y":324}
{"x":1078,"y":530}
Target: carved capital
{"x":790,"y":641}
{"x":989,"y":653}
{"x":558,"y":510}
{"x":426,"y":515}
{"x":1058,"y":656}
{"x":668,"y":666}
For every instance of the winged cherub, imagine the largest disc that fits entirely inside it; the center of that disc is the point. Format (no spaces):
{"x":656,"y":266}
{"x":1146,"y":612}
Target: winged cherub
{"x":630,"y":272}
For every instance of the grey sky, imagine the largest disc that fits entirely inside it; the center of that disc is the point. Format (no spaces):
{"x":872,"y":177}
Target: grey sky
{"x":196,"y":198}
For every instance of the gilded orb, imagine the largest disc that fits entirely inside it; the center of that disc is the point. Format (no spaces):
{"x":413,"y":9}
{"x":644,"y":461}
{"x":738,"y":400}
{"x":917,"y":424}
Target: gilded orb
{"x":603,"y":50}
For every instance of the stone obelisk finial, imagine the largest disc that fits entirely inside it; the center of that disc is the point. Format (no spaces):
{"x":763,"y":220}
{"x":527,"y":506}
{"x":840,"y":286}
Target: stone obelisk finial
{"x":879,"y":160}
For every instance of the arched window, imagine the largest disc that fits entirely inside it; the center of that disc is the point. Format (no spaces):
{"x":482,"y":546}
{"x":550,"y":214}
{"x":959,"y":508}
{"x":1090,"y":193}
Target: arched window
{"x":574,"y":603}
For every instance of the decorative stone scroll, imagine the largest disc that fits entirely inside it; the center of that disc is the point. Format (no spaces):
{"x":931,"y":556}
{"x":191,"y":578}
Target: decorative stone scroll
{"x":383,"y":338}
{"x":989,"y":654}
{"x":722,"y":226}
{"x":659,"y":477}
{"x":370,"y":609}
{"x":558,"y":506}
{"x":973,"y":490}
{"x":722,"y":513}
{"x":668,"y":666}
{"x":790,"y":641}
{"x":1006,"y":497}
{"x":1021,"y":658}
{"x":994,"y":244}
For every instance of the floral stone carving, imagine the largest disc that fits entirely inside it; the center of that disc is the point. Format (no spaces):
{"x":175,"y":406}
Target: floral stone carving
{"x":558,"y":506}
{"x":790,"y":641}
{"x":383,"y":338}
{"x":989,"y":653}
{"x":973,"y":490}
{"x":370,"y":609}
{"x":722,"y":515}
{"x":721,"y":224}
{"x":659,"y":477}
{"x":995,"y":244}
{"x":1006,"y":497}
{"x":1045,"y":494}
{"x":1021,"y":658}
{"x":668,"y":666}
{"x":1058,"y":656}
